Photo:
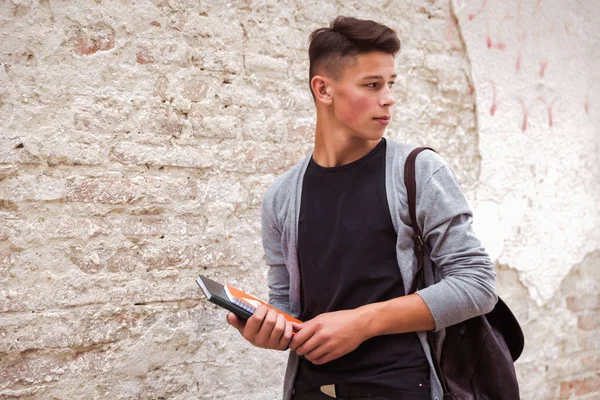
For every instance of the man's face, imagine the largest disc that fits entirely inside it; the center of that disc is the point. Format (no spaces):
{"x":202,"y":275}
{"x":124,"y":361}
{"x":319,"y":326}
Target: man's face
{"x":362,"y":96}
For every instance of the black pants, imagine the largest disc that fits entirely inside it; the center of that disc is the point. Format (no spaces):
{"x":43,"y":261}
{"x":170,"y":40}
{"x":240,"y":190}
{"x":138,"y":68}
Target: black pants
{"x":323,"y":396}
{"x":362,"y":392}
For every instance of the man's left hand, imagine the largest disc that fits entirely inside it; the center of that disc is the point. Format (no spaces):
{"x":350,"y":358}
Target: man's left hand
{"x":329,"y":336}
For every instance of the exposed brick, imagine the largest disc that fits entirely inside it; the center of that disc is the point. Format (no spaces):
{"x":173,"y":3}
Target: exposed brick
{"x":40,"y":187}
{"x":226,"y":61}
{"x":159,"y":226}
{"x":4,"y":266}
{"x":116,"y":189}
{"x":217,"y":126}
{"x":589,"y":321}
{"x":165,"y":51}
{"x":583,"y":302}
{"x":37,"y":231}
{"x":178,"y":156}
{"x":266,"y":65}
{"x":14,"y":151}
{"x":194,"y":89}
{"x":301,"y":130}
{"x":142,"y":56}
{"x":6,"y":171}
{"x":124,"y":260}
{"x":579,"y":387}
{"x":162,"y":84}
{"x":98,"y":38}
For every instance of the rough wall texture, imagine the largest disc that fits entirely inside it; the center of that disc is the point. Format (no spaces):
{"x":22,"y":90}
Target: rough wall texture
{"x":136,"y":141}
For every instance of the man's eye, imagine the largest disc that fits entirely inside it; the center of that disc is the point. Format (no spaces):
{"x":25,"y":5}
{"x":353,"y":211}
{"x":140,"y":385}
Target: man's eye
{"x":372,"y":85}
{"x":390,"y":84}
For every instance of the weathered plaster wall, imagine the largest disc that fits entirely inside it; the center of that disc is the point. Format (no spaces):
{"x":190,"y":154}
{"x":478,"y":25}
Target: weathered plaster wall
{"x":137,"y":138}
{"x":536,"y":86}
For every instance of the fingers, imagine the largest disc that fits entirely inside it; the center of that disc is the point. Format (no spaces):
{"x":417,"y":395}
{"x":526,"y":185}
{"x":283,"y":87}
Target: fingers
{"x":301,"y":337}
{"x":286,"y":334}
{"x":316,"y":350}
{"x":235,"y":321}
{"x":319,"y":356}
{"x":309,"y":346}
{"x":263,"y":334}
{"x":266,"y":328}
{"x":255,"y":322}
{"x":305,"y":341}
{"x":277,"y":332}
{"x":296,"y":326}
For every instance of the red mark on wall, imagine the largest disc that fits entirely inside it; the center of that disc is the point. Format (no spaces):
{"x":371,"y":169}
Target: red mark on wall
{"x":494,"y":106}
{"x":483,"y":4}
{"x":522,"y":38}
{"x":543,"y":66}
{"x":567,"y":26}
{"x":586,"y":103}
{"x":525,"y":110}
{"x":549,"y":106}
{"x":499,"y":44}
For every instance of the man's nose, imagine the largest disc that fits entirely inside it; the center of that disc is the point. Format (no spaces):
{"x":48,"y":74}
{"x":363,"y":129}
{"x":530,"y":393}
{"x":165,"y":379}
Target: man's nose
{"x":387,"y":97}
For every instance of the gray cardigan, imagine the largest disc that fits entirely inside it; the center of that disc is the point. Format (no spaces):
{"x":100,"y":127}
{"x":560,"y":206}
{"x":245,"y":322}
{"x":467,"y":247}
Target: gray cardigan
{"x":461,"y":283}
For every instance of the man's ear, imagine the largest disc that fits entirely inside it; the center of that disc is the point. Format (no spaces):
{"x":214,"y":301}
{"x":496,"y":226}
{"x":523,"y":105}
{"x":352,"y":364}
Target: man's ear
{"x":321,"y":89}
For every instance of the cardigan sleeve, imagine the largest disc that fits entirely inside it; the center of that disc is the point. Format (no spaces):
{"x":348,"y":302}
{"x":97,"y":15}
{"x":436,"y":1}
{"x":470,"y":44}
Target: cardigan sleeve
{"x":464,"y":274}
{"x":278,"y":275}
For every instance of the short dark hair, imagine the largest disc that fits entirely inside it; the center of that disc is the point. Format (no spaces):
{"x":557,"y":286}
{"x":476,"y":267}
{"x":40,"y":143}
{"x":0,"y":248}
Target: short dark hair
{"x":332,"y":48}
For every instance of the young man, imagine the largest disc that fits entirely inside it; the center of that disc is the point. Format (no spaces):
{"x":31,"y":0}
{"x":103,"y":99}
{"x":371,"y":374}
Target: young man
{"x":337,"y":238}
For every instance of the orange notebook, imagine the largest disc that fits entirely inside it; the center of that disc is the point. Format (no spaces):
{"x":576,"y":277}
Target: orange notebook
{"x":251,"y":303}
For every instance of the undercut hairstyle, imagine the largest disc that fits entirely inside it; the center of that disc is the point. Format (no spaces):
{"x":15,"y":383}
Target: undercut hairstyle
{"x":333,"y":48}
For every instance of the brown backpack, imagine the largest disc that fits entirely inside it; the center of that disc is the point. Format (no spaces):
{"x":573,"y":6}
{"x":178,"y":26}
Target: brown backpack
{"x":477,"y":355}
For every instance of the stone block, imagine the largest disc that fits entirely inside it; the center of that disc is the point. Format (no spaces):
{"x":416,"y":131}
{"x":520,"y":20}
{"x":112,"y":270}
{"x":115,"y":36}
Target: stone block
{"x":177,"y":156}
{"x":27,"y":187}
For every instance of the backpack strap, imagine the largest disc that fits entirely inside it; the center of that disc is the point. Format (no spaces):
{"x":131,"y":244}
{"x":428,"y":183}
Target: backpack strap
{"x":419,"y":281}
{"x":411,"y":190}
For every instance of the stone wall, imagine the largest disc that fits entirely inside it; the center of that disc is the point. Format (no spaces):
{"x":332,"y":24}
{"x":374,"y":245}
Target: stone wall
{"x":137,"y":139}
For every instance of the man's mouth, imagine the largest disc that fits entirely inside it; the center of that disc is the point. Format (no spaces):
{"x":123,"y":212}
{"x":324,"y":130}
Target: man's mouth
{"x":384,"y":120}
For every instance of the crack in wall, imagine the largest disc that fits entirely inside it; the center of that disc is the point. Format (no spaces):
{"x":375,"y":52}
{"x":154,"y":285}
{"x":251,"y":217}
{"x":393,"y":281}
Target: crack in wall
{"x":469,"y":77}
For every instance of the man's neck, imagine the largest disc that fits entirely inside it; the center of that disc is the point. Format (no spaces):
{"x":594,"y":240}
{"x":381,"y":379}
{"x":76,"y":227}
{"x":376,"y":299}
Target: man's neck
{"x":335,"y":147}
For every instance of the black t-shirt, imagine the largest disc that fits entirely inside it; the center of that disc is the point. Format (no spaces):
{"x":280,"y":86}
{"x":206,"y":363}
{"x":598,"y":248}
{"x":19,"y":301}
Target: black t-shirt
{"x":347,"y":253}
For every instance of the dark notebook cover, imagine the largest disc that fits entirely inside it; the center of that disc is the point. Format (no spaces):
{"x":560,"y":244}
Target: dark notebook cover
{"x":215,"y":293}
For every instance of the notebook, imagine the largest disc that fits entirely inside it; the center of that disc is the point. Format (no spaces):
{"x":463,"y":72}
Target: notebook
{"x":240,"y":303}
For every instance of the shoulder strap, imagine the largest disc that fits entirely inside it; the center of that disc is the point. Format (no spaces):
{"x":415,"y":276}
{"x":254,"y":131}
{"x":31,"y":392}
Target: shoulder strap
{"x":419,"y":282}
{"x":411,"y":190}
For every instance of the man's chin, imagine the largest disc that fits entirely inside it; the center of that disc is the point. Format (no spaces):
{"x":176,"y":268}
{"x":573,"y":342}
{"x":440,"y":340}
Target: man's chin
{"x":372,"y":135}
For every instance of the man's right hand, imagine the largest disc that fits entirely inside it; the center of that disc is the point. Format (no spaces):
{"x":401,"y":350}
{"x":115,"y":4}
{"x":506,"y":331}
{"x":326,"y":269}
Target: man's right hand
{"x":265,"y":328}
